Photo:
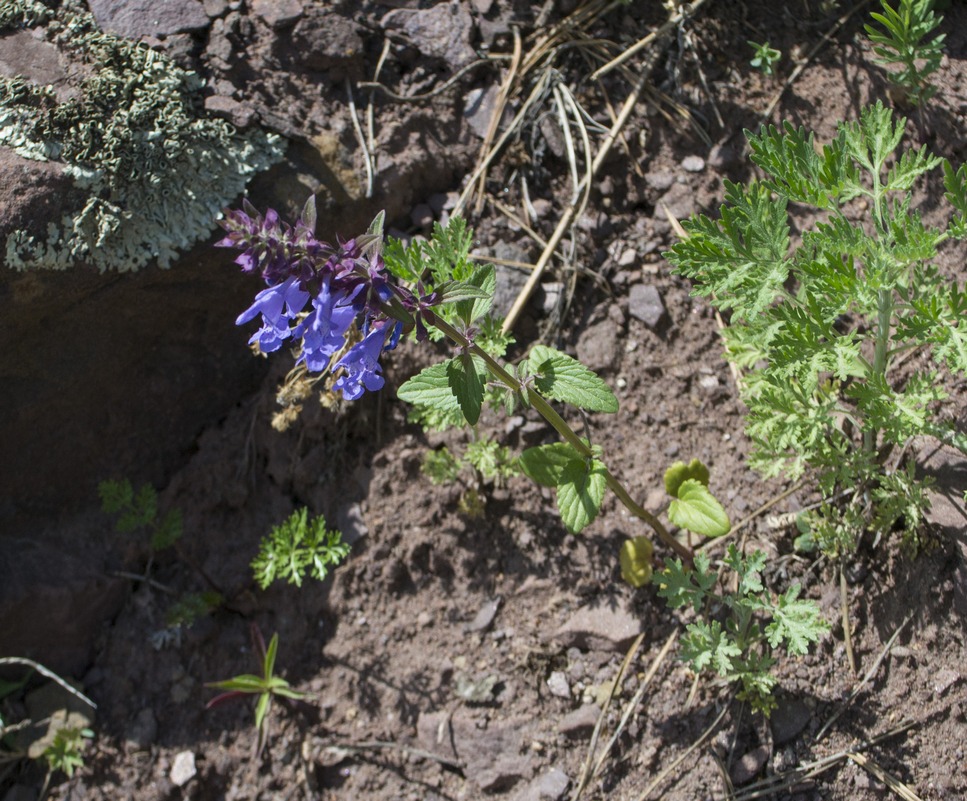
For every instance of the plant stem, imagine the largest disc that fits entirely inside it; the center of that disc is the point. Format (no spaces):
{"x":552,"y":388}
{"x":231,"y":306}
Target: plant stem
{"x":567,"y":433}
{"x":881,"y":352}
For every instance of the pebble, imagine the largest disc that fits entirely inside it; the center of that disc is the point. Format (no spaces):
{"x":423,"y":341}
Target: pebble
{"x":944,"y":680}
{"x":579,"y":723}
{"x":693,"y":163}
{"x":485,"y":616}
{"x":601,"y":627}
{"x":183,"y":769}
{"x":549,"y":786}
{"x":558,"y":685}
{"x":422,"y":215}
{"x":645,"y":304}
{"x":790,"y":717}
{"x":749,"y":765}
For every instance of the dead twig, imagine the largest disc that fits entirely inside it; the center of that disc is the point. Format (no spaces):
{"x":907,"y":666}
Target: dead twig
{"x":43,"y":671}
{"x":570,"y":214}
{"x":888,"y":779}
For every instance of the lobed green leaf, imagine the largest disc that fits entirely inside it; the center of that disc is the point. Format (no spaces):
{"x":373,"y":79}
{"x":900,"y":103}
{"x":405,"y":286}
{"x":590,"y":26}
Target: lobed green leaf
{"x":562,"y":378}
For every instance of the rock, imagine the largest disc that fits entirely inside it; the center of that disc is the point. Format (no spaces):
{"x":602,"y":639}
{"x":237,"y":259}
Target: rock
{"x":550,"y":295}
{"x":645,"y":304}
{"x":422,"y":215}
{"x":478,"y":108}
{"x":693,"y":163}
{"x":485,"y":616}
{"x":549,"y":786}
{"x":215,"y":8}
{"x":680,"y":202}
{"x":136,"y":18}
{"x":441,"y":31}
{"x":502,"y":774}
{"x":277,"y":13}
{"x":660,"y":181}
{"x":239,"y":114}
{"x":790,"y":717}
{"x":599,"y":347}
{"x":349,"y":520}
{"x":143,"y":730}
{"x":749,"y":765}
{"x":943,"y":680}
{"x":38,"y":61}
{"x":579,"y":723}
{"x":330,"y":43}
{"x":183,"y":769}
{"x":601,"y":626}
{"x":558,"y":685}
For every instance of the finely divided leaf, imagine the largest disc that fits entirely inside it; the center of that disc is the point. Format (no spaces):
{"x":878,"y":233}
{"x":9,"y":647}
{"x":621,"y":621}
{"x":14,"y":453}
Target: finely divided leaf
{"x":562,"y":378}
{"x":696,"y":509}
{"x":466,"y":373}
{"x":797,"y":622}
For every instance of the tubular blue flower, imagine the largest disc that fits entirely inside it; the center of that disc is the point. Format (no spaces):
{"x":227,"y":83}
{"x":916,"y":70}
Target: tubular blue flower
{"x":278,"y":305}
{"x":323,"y":331}
{"x":361,"y":364}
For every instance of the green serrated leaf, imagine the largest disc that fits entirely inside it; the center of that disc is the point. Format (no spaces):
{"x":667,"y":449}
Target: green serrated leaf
{"x":484,"y":278}
{"x":696,"y":509}
{"x":466,"y":374}
{"x":562,"y":378}
{"x":430,"y":388}
{"x":580,"y":493}
{"x":545,"y":464}
{"x":680,"y":472}
{"x":457,"y":291}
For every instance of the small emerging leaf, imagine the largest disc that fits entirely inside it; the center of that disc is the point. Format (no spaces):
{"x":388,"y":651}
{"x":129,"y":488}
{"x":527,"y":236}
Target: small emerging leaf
{"x":635,"y":558}
{"x":681,"y":472}
{"x":696,"y":509}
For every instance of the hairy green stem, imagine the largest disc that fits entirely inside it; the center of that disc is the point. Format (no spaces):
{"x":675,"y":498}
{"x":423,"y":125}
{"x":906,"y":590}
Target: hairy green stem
{"x":881,"y":352}
{"x":567,"y":433}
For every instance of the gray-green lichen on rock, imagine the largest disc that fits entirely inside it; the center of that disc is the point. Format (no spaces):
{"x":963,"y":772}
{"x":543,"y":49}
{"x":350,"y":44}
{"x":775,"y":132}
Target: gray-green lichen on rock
{"x":152,"y":169}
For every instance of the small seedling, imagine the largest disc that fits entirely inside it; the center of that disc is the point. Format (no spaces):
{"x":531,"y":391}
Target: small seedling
{"x":138,"y":511}
{"x":903,"y":40}
{"x":738,"y":647}
{"x":297,"y":548}
{"x":66,"y":752}
{"x":266,"y":686}
{"x":818,"y":328}
{"x":765,"y":57}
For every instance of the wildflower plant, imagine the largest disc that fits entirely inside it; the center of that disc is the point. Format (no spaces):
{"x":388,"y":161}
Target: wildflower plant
{"x":342,"y":307}
{"x":905,"y":37}
{"x":732,"y":637}
{"x":296,"y":548}
{"x":819,"y":327}
{"x":765,"y":57}
{"x":265,"y":686}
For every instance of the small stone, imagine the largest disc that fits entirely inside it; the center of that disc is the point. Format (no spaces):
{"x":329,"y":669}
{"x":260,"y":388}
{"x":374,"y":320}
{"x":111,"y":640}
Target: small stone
{"x":708,"y":383}
{"x":645,"y":304}
{"x":478,"y":108}
{"x":183,"y":769}
{"x":558,"y":685}
{"x":693,"y":163}
{"x":749,"y":765}
{"x":442,"y":31}
{"x":944,"y":680}
{"x":550,"y":295}
{"x":601,"y":627}
{"x":215,"y":8}
{"x":485,"y":616}
{"x":628,"y":257}
{"x":136,"y":18}
{"x":790,"y":717}
{"x":579,"y":723}
{"x":422,"y":215}
{"x":278,"y":13}
{"x":599,"y":347}
{"x":143,"y":729}
{"x":482,"y":7}
{"x":660,"y":181}
{"x":504,"y":773}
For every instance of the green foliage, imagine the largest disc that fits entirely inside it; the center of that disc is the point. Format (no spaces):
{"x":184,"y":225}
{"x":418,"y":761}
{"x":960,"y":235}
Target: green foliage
{"x":740,"y":646}
{"x":488,"y":460}
{"x":265,"y":686}
{"x":818,"y":326}
{"x":150,"y":168}
{"x":296,"y":548}
{"x":902,"y":40}
{"x":65,"y":753}
{"x":580,"y":481}
{"x":765,"y":57}
{"x":559,"y":377}
{"x":192,"y":606}
{"x":138,"y":510}
{"x":694,"y":507}
{"x":635,"y":561}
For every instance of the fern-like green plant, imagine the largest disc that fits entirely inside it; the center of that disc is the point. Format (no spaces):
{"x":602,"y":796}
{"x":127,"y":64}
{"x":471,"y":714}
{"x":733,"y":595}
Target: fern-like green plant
{"x":296,"y":548}
{"x":905,"y":39}
{"x":819,"y":327}
{"x":739,"y":631}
